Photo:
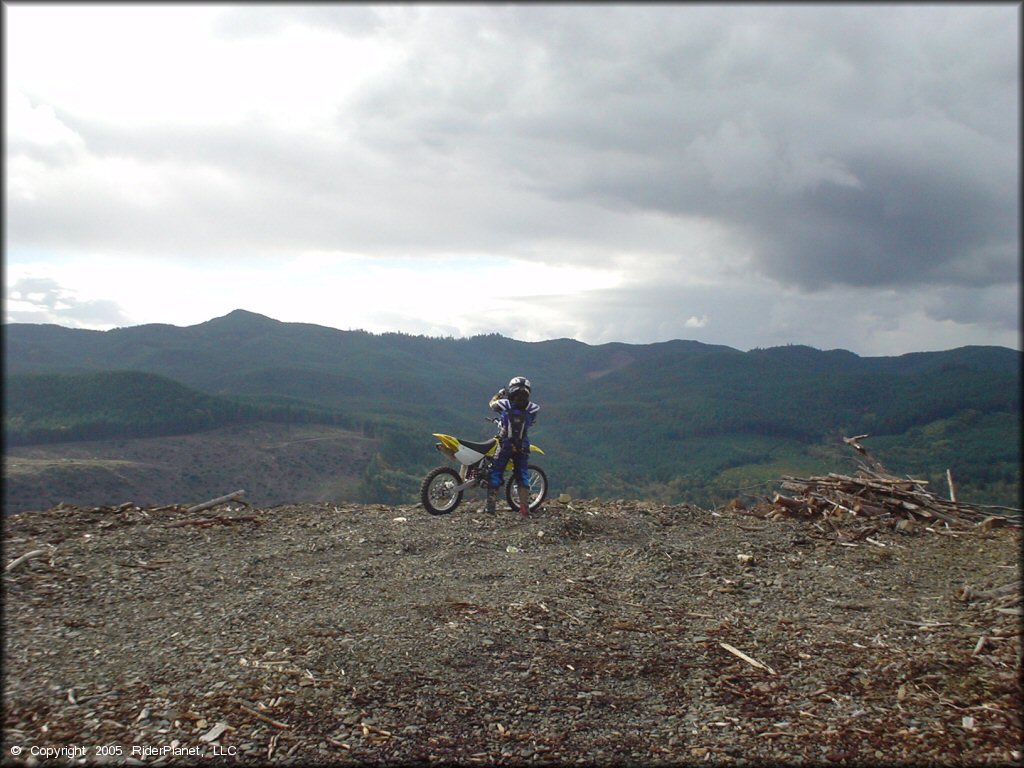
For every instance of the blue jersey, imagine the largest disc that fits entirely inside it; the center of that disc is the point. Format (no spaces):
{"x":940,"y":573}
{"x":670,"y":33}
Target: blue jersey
{"x":515,"y":422}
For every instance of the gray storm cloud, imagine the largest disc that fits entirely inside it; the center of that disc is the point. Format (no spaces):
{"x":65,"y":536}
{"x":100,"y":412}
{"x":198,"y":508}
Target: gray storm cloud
{"x":830,"y":148}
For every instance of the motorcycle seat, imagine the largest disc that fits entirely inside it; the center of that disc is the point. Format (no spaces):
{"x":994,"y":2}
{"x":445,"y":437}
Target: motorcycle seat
{"x":479,"y":447}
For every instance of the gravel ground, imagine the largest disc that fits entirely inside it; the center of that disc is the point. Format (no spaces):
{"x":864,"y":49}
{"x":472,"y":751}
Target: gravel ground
{"x":595,"y":632}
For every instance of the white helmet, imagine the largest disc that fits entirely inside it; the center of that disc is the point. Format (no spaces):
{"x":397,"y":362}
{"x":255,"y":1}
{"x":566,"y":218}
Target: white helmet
{"x":518,"y":382}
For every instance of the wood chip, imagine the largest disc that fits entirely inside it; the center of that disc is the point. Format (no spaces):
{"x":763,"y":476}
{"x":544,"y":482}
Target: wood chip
{"x":25,"y":558}
{"x":264,"y":718}
{"x":214,"y":733}
{"x":736,"y":652}
{"x":368,"y":729}
{"x":925,"y":624}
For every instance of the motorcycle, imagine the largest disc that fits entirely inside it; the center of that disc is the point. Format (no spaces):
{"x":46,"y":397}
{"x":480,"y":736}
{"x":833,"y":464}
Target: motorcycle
{"x":442,"y":488}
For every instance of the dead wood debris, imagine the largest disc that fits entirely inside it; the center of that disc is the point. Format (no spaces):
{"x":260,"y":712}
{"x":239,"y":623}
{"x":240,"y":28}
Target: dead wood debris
{"x":1006,"y":598}
{"x":875,"y":496}
{"x":130,"y":513}
{"x":26,"y":557}
{"x":206,"y":522}
{"x":234,"y":496}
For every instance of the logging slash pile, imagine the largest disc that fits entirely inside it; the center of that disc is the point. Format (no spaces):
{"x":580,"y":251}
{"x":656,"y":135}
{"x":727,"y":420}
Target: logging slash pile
{"x":877,"y":498}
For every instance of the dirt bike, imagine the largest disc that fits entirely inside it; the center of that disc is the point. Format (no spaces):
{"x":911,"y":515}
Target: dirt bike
{"x":442,"y":488}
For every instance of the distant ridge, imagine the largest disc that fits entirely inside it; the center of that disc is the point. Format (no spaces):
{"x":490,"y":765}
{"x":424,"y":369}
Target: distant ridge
{"x":39,"y":347}
{"x":675,"y":419}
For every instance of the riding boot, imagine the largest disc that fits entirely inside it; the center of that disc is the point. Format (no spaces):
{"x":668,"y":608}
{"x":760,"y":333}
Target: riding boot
{"x":524,"y":508}
{"x":492,"y":496}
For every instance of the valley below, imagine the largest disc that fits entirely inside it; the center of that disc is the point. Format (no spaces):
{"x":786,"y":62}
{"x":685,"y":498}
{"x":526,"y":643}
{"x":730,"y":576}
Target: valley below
{"x":272,"y":462}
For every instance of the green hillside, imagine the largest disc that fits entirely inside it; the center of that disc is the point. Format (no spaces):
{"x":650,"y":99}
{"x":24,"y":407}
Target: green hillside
{"x":50,"y":408}
{"x":677,"y":421}
{"x":56,"y":407}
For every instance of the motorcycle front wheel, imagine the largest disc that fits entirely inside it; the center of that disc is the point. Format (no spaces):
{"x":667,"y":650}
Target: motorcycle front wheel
{"x":538,"y":489}
{"x":436,"y":491}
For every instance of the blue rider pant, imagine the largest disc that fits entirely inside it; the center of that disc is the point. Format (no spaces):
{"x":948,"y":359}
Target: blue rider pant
{"x":520,"y":461}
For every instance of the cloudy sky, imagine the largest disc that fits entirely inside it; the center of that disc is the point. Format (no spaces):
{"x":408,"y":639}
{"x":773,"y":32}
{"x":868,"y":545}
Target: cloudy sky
{"x":750,"y":175}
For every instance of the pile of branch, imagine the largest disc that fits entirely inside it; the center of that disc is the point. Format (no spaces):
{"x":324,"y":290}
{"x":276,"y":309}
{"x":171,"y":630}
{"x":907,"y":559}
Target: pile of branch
{"x":130,"y":513}
{"x":873,"y":492}
{"x":1005,"y":598}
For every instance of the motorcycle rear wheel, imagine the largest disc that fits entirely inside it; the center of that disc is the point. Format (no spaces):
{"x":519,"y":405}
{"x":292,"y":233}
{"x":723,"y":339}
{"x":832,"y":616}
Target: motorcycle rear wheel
{"x":538,"y":489}
{"x":436,"y":491}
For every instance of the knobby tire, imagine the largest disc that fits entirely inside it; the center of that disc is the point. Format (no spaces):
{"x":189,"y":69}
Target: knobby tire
{"x":432,"y":490}
{"x":538,"y":489}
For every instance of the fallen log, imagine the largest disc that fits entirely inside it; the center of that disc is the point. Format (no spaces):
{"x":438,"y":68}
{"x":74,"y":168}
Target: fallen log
{"x":236,"y":496}
{"x":795,"y":504}
{"x":870,"y":510}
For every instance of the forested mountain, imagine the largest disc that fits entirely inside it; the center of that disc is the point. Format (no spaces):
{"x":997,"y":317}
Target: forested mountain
{"x":678,"y":421}
{"x":60,"y":407}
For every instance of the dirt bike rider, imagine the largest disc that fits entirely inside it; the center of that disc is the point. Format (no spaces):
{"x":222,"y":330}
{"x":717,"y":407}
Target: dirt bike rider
{"x":518,"y":413}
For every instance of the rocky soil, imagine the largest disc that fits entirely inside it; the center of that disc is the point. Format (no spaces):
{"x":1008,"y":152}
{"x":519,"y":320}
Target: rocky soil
{"x":595,"y":632}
